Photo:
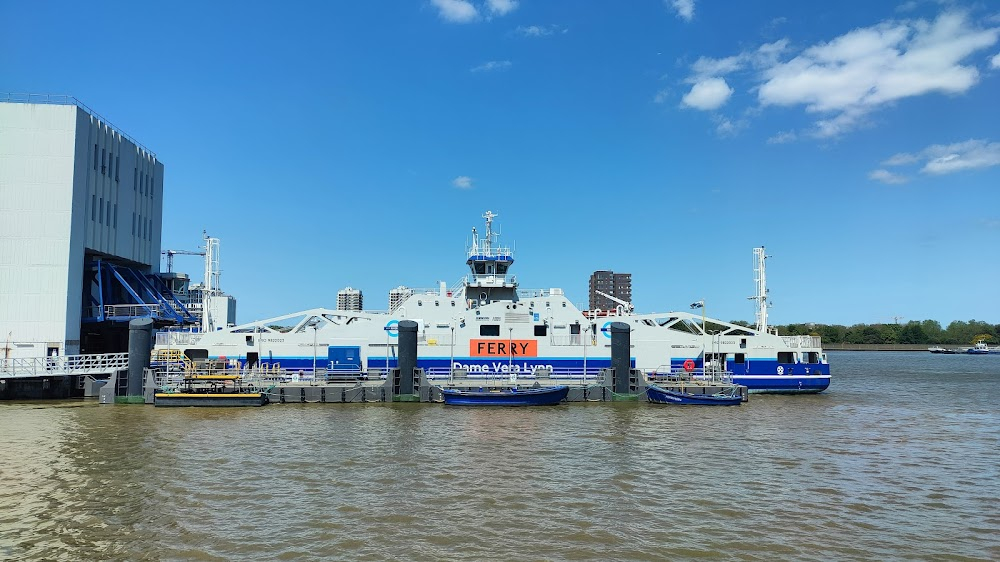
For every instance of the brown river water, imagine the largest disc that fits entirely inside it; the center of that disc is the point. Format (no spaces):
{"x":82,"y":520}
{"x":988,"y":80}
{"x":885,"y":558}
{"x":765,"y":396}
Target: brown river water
{"x":899,"y":460}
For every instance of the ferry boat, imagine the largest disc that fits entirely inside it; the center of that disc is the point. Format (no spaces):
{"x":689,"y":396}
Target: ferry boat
{"x":487,"y":326}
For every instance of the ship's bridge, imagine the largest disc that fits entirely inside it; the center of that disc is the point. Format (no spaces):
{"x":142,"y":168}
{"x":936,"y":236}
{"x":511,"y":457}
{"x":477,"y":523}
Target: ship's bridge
{"x":489,"y":264}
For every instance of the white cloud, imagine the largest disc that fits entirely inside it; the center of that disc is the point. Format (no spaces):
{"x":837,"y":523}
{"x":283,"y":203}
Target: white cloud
{"x":462,"y":182}
{"x":493,"y":65}
{"x":995,"y":61}
{"x":844,"y":80}
{"x":901,"y":159}
{"x":886,"y":176}
{"x":968,"y":155}
{"x":858,"y":72}
{"x":501,"y":7}
{"x":685,"y":8}
{"x":783,"y":137}
{"x":941,"y":159}
{"x":456,"y":11}
{"x":726,"y":127}
{"x":539,"y":30}
{"x":708,"y":94}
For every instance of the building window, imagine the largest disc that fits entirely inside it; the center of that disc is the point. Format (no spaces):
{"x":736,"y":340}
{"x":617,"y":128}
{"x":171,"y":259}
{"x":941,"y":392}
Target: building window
{"x":118,"y":167}
{"x":135,"y":180}
{"x":109,"y":213}
{"x":133,"y":224}
{"x":93,"y":207}
{"x":104,"y":161}
{"x":100,"y":211}
{"x":95,"y":157}
{"x":116,"y":215}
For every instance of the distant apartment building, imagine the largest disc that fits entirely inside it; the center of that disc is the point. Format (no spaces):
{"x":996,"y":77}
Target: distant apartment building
{"x":398,"y":295}
{"x":618,"y":285}
{"x":350,"y":298}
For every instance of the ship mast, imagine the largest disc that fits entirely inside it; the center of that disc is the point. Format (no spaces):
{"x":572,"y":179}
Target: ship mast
{"x":760,"y":279}
{"x":489,"y":262}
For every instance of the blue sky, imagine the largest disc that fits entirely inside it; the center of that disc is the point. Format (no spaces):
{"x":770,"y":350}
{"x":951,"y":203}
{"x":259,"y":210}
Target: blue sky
{"x":357,"y":143}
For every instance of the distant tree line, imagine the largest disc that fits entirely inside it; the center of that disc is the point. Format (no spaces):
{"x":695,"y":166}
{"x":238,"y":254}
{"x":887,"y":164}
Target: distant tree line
{"x":916,"y":332}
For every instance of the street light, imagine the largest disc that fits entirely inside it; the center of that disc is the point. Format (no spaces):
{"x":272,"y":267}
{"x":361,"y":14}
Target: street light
{"x":510,"y":352}
{"x":315,"y":328}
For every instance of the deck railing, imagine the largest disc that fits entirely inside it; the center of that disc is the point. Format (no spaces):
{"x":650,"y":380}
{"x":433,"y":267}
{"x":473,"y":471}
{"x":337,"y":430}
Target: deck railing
{"x":97,"y":364}
{"x":802,"y":341}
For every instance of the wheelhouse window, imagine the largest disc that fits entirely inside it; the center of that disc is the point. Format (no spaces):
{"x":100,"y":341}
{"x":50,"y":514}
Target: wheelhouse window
{"x":541,"y":330}
{"x":489,"y":330}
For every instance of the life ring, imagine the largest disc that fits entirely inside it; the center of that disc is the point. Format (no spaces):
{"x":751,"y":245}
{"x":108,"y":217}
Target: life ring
{"x":689,"y":365}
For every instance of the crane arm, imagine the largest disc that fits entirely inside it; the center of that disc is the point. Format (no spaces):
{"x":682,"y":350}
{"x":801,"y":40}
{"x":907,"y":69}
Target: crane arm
{"x":627,"y":305}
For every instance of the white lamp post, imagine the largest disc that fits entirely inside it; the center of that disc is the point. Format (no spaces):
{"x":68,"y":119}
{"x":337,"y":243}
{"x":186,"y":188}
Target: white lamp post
{"x":510,"y":351}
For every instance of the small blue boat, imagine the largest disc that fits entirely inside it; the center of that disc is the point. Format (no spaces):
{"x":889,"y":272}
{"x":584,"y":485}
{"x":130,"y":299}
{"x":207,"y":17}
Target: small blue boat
{"x":546,"y":396}
{"x":660,"y":395}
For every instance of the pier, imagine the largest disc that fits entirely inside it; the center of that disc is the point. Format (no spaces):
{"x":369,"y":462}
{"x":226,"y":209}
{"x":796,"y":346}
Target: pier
{"x":58,"y":376}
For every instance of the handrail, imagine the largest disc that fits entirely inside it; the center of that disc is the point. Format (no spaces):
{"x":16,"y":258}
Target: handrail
{"x":63,"y":99}
{"x":63,"y":365}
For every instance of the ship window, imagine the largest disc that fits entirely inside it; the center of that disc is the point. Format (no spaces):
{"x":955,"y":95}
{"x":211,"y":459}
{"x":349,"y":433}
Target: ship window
{"x":420,"y":303}
{"x":740,"y":358}
{"x":564,"y":305}
{"x":452,"y":303}
{"x":786,"y":357}
{"x":541,"y":330}
{"x":436,"y":303}
{"x":489,"y":330}
{"x":480,"y":268}
{"x":502,"y":268}
{"x":574,"y":328}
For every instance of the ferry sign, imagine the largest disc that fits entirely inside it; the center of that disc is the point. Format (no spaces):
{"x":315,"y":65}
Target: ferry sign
{"x":503,"y":348}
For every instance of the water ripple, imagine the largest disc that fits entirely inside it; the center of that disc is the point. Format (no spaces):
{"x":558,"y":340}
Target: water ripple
{"x":899,"y":460}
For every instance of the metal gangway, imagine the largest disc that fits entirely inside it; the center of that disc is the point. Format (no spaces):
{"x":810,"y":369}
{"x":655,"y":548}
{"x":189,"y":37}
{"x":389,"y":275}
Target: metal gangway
{"x":63,"y":365}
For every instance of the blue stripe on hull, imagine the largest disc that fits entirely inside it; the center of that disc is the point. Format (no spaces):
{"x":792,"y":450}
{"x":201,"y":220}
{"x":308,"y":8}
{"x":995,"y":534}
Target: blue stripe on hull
{"x":790,"y":384}
{"x":758,"y":375}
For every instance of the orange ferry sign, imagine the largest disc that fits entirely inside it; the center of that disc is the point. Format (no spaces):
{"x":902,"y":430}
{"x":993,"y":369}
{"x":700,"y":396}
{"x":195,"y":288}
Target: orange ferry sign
{"x":503,"y":348}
